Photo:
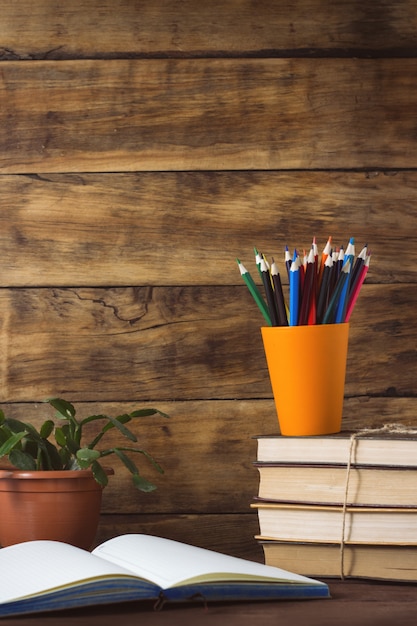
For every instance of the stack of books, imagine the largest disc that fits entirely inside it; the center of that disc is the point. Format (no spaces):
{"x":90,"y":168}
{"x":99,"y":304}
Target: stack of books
{"x":339,"y":506}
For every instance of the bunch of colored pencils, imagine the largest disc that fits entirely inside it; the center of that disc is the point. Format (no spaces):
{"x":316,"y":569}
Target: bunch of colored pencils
{"x":323,"y":289}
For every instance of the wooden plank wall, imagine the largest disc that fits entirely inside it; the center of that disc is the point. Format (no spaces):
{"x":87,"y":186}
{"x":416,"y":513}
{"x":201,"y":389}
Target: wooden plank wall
{"x":146,"y":145}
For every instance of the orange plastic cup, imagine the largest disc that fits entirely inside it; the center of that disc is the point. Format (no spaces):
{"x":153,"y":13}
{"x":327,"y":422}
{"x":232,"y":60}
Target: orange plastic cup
{"x":307,"y":368}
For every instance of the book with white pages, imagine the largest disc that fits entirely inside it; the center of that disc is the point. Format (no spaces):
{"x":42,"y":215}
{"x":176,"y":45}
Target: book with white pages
{"x":50,"y":575}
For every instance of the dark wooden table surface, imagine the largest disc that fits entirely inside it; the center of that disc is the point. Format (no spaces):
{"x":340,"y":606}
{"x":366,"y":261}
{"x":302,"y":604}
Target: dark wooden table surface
{"x":353,"y":603}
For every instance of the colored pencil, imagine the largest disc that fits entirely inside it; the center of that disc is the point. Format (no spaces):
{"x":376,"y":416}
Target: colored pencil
{"x":279,"y":295}
{"x":330,"y":313}
{"x":322,"y":289}
{"x":350,"y":250}
{"x":354,"y":295}
{"x":258,"y":258}
{"x":294,"y":291}
{"x":269,"y":293}
{"x":312,"y":312}
{"x":340,"y":261}
{"x":325,"y":253}
{"x":308,"y":289}
{"x":287,"y":261}
{"x":254,"y":292}
{"x":323,"y":299}
{"x":356,"y":270}
{"x":343,"y":297}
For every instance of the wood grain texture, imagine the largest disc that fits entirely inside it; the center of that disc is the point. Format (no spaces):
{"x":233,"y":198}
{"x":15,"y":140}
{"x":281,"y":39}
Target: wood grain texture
{"x":230,"y":533}
{"x":206,"y":449}
{"x":207,"y":114}
{"x":146,"y":145}
{"x":187,"y":228}
{"x":108,"y":28}
{"x":180,"y":343}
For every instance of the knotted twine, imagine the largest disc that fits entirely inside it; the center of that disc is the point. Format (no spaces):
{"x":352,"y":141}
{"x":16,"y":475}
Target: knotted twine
{"x":397,"y":429}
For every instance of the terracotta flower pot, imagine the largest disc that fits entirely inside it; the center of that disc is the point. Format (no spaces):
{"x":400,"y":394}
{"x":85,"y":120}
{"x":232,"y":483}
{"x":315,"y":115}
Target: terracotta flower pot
{"x":57,"y":505}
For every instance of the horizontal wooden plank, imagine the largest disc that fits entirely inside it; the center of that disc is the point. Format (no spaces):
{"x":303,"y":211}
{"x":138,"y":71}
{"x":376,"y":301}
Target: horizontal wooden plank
{"x":204,"y":448}
{"x":231,"y":534}
{"x":200,"y":114}
{"x":187,"y":228}
{"x":180,"y":343}
{"x":207,"y":449}
{"x":168,"y":27}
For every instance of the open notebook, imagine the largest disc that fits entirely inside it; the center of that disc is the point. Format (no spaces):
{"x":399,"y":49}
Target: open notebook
{"x":49,"y":575}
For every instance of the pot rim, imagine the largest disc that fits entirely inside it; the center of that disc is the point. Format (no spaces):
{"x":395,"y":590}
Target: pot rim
{"x":14,"y":473}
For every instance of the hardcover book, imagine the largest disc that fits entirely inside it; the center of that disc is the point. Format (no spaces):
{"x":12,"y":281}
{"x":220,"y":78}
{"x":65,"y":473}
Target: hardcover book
{"x":378,"y":448}
{"x":379,"y":562}
{"x":302,"y":522}
{"x":379,"y":485}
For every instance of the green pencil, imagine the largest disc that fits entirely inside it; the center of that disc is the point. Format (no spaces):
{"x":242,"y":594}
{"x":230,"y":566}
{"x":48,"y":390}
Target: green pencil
{"x":255,"y":292}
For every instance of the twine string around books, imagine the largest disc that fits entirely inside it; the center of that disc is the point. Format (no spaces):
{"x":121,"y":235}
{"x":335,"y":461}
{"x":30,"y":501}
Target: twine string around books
{"x":397,"y":429}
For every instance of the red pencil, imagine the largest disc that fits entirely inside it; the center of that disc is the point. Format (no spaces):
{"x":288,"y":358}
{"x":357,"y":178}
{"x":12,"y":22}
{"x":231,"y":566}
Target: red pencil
{"x":354,"y":295}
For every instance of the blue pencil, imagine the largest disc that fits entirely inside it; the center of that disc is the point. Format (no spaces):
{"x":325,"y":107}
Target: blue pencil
{"x":350,"y":250}
{"x":341,"y":305}
{"x":294,"y":291}
{"x":308,"y":289}
{"x":343,"y":298}
{"x":329,"y":315}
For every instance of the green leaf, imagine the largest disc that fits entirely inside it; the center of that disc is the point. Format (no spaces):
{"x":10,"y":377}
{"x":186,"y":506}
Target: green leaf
{"x":46,"y":429}
{"x":86,"y":457}
{"x":30,"y":447}
{"x":122,"y":419}
{"x":4,"y":435}
{"x":147,"y":413}
{"x":67,"y":460}
{"x":111,"y":422}
{"x":148,"y":456}
{"x":64,"y":408}
{"x":126,"y":461}
{"x":10,"y":444}
{"x":93,"y":418}
{"x":139,"y":481}
{"x":143,"y":484}
{"x":99,"y":474}
{"x":60,"y":437}
{"x":50,"y":457}
{"x":16,"y":426}
{"x":21,"y":460}
{"x":68,"y":437}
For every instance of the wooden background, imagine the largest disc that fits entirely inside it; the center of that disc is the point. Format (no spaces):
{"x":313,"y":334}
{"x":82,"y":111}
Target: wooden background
{"x":146,"y":145}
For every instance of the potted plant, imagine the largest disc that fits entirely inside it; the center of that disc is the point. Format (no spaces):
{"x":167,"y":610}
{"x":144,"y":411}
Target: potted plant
{"x":52,"y":486}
